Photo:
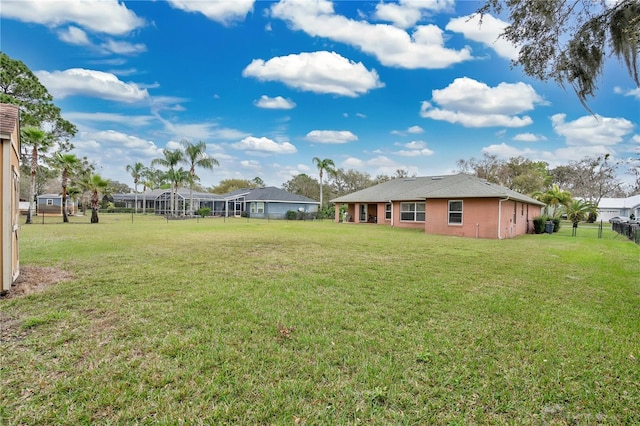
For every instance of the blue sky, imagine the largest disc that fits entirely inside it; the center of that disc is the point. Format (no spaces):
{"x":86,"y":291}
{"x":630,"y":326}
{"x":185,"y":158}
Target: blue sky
{"x":375,"y":86}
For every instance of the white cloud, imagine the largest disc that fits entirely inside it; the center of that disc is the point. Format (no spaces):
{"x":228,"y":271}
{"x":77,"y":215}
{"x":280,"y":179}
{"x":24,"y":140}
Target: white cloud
{"x":224,"y":12}
{"x":318,"y":72}
{"x":424,"y":48}
{"x":529,"y":137}
{"x":264,"y":145}
{"x":414,"y":130}
{"x":331,"y":136}
{"x":406,"y":13}
{"x":629,"y":92}
{"x":506,"y":151}
{"x":592,"y":130}
{"x":475,"y":104}
{"x":98,"y":84}
{"x":74,"y":35}
{"x":488,"y":33}
{"x":414,"y":149}
{"x":122,"y":47}
{"x":107,"y":16}
{"x":274,"y":103}
{"x":105,"y":117}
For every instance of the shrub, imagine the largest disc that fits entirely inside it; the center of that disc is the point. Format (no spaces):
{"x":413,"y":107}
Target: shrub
{"x":539,"y":224}
{"x":292,"y":215}
{"x":556,"y":224}
{"x":204,"y":211}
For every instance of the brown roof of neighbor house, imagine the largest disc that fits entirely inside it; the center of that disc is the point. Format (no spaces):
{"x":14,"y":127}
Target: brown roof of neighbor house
{"x":430,"y":187}
{"x":8,"y":119}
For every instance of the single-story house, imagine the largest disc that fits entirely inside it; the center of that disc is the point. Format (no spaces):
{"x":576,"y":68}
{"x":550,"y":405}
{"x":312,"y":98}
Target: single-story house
{"x":51,"y":205}
{"x":611,"y":207}
{"x":460,"y":205}
{"x":265,"y":202}
{"x":268,"y":203}
{"x":159,"y":200}
{"x":9,"y":194}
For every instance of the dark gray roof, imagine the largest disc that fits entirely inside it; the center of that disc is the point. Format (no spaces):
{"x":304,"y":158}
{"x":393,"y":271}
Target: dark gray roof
{"x":269,"y":194}
{"x":426,"y":187}
{"x":153,"y":194}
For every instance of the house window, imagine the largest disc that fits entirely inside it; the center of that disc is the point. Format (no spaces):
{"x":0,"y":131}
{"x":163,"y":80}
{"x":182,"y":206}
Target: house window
{"x":455,"y":212}
{"x":260,"y":208}
{"x":49,"y":202}
{"x":387,"y":211}
{"x":412,"y":212}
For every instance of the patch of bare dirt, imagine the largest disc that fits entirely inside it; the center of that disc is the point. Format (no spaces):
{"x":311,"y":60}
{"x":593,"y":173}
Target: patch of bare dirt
{"x":33,"y":279}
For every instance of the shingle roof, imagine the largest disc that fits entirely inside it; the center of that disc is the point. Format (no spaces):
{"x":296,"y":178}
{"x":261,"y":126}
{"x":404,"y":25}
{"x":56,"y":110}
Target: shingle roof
{"x":419,"y":188}
{"x":269,"y":193}
{"x":8,"y":119}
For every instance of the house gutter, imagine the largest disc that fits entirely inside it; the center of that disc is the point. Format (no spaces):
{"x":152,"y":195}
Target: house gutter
{"x":391,"y":202}
{"x":500,"y":215}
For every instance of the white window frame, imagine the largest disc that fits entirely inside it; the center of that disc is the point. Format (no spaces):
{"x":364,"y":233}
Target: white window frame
{"x":413,"y":210}
{"x":460,"y":212}
{"x":49,"y":201}
{"x":387,"y":211}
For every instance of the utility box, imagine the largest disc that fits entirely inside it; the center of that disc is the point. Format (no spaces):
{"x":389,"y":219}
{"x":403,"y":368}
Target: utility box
{"x":9,"y":193}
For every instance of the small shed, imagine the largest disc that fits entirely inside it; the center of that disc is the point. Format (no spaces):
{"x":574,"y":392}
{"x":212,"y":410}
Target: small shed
{"x":51,"y":205}
{"x":9,"y":193}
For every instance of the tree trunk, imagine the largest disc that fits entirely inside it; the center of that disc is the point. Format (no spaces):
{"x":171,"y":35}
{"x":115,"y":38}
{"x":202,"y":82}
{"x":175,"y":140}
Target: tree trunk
{"x":94,"y":215}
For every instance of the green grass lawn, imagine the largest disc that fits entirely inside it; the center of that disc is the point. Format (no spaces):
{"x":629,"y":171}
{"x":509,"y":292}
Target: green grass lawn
{"x":277,"y":322}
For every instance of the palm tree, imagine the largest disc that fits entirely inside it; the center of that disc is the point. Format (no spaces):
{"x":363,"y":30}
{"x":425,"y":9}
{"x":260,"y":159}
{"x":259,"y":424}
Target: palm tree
{"x":196,"y":156}
{"x":326,"y":164}
{"x":177,"y":178}
{"x":170,"y":160}
{"x":37,"y":140}
{"x":554,"y":198}
{"x":136,"y":173}
{"x":579,"y":210}
{"x":66,"y":164}
{"x":95,"y":184}
{"x":151,"y":179}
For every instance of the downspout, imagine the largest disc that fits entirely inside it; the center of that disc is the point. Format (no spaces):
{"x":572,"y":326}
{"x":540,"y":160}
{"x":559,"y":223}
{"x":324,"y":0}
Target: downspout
{"x":500,"y":216}
{"x":391,"y":202}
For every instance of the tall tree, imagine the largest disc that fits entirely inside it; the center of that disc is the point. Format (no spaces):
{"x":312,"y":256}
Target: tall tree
{"x":177,"y":177}
{"x":567,"y":41}
{"x":589,"y":178}
{"x":170,"y":161}
{"x":302,"y":184}
{"x":151,"y":179}
{"x":229,"y":185}
{"x":135,"y":170}
{"x":95,"y":185}
{"x":196,"y":156}
{"x":66,"y":164}
{"x":323,"y":165}
{"x":579,"y":210}
{"x":36,"y":139}
{"x":19,"y":86}
{"x":347,"y":181}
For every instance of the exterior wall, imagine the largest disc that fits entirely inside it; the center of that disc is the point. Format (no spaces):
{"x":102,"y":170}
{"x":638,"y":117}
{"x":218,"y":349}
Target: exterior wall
{"x":275,"y":210}
{"x":480,"y":217}
{"x":10,"y":214}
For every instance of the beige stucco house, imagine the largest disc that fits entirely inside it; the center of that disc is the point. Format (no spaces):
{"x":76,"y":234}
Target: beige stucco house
{"x":460,"y":205}
{"x":9,"y":193}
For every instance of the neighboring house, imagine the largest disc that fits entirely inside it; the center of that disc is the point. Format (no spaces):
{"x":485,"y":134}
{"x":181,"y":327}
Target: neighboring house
{"x":611,"y":207}
{"x":51,"y":205}
{"x":159,"y":200}
{"x":268,"y":203}
{"x":9,"y":194}
{"x":460,"y":205}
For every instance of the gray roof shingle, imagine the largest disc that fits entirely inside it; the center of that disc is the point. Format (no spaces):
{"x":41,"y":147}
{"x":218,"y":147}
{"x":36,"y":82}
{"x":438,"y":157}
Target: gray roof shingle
{"x":419,"y":188}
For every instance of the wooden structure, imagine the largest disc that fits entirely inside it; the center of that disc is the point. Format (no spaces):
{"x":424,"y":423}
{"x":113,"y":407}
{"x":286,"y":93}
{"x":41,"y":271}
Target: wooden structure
{"x":9,"y":193}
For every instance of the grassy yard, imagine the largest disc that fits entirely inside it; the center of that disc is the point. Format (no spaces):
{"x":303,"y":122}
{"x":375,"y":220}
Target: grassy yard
{"x":256,"y":322}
